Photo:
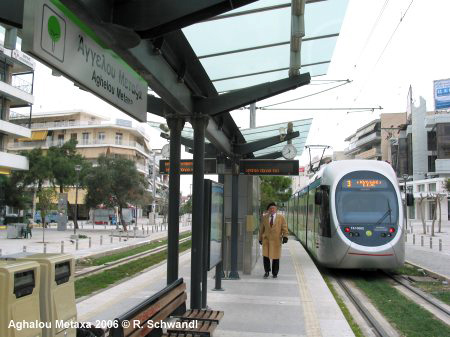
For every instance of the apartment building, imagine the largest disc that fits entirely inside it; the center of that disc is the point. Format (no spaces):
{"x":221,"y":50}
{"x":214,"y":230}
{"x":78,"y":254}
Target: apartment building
{"x":16,"y":92}
{"x":95,"y":135}
{"x":372,"y":141}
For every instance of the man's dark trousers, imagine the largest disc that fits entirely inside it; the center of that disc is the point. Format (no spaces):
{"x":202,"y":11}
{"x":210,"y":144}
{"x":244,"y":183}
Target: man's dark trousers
{"x":275,"y":265}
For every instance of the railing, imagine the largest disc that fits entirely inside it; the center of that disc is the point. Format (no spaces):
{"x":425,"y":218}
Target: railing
{"x":21,"y":84}
{"x":82,"y":142}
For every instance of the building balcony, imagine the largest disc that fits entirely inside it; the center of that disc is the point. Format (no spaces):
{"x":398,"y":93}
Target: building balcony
{"x":442,"y":166}
{"x":373,"y":138}
{"x":81,"y":144}
{"x":18,"y":96}
{"x":10,"y":161}
{"x":21,"y":62}
{"x":14,"y":130}
{"x":369,"y":154}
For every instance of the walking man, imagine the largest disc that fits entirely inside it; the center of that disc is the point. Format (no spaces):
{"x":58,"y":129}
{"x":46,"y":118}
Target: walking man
{"x":272,"y":232}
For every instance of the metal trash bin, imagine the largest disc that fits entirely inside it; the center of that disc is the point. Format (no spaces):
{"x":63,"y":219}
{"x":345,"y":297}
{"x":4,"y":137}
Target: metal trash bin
{"x":15,"y":230}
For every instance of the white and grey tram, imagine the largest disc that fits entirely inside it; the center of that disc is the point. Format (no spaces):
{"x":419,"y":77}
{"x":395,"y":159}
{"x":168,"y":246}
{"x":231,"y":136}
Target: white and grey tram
{"x":350,"y":216}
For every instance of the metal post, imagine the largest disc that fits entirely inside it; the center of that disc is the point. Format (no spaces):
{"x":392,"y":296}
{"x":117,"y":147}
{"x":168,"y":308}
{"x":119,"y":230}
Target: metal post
{"x":431,"y":242}
{"x":252,"y":115}
{"x":440,"y":245}
{"x":101,"y":240}
{"x":90,"y":242}
{"x":24,"y":249}
{"x":75,"y":223}
{"x":134,"y":233}
{"x":45,"y":248}
{"x":120,"y":236}
{"x":421,"y":240}
{"x":234,"y":222}
{"x":0,"y":252}
{"x":76,"y":244}
{"x":111,"y":239}
{"x":405,"y":213}
{"x":154,"y":187}
{"x":414,"y":239}
{"x":199,"y":123}
{"x":62,"y":247}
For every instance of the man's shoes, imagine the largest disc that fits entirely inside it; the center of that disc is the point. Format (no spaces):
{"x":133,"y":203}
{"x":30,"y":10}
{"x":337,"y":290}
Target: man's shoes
{"x":274,"y":276}
{"x":266,"y":275}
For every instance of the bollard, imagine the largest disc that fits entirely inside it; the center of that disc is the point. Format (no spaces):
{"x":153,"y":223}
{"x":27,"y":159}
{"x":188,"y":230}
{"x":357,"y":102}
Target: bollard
{"x":414,"y":239}
{"x":134,"y":233}
{"x":428,"y":229}
{"x":153,"y":229}
{"x":45,"y":248}
{"x":120,"y":236}
{"x":431,"y":242}
{"x":62,"y":247}
{"x":76,"y":244}
{"x":421,"y":240}
{"x":105,"y":226}
{"x":82,"y":226}
{"x":406,"y":237}
{"x":440,"y":246}
{"x":127,"y":236}
{"x":101,"y":240}
{"x":0,"y":252}
{"x":90,"y":242}
{"x":111,"y":239}
{"x":147,"y":230}
{"x":24,"y":249}
{"x":93,"y":226}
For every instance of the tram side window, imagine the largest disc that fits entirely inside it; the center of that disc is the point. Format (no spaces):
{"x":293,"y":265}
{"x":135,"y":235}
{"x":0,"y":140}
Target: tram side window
{"x":23,"y":283}
{"x":324,"y":216}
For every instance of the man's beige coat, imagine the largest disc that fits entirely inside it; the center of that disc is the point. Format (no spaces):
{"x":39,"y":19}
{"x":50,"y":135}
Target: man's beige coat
{"x":271,"y":235}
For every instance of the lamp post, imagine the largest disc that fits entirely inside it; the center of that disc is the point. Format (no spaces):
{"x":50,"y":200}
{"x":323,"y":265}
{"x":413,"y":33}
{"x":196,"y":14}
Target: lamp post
{"x":75,"y":224}
{"x":154,"y":184}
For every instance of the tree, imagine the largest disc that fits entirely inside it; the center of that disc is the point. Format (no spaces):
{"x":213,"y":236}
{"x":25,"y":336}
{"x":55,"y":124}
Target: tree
{"x":186,"y":207}
{"x":421,"y":203}
{"x":46,"y":197}
{"x":115,"y":182}
{"x":275,"y":189}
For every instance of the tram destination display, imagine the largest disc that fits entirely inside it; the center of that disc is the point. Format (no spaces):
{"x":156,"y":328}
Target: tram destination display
{"x":260,"y":167}
{"x":364,"y":183}
{"x":214,"y":220}
{"x":187,"y":166}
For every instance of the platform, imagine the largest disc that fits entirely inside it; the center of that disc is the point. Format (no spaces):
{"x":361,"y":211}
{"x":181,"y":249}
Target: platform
{"x":297,"y":303}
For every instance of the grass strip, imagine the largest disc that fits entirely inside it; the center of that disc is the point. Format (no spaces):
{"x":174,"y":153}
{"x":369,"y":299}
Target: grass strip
{"x":89,"y":284}
{"x":348,"y":316}
{"x":408,"y":317}
{"x":130,"y":252}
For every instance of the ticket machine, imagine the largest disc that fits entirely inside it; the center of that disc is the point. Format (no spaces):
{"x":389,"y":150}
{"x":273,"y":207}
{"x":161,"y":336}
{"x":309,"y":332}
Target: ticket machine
{"x":19,"y":294}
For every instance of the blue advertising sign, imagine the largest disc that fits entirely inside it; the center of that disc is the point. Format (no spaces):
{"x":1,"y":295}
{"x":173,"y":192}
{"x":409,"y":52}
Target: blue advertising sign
{"x":442,"y":94}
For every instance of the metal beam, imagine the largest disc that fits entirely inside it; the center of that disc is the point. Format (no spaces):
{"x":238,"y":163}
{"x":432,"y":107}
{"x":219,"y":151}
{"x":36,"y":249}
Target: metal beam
{"x":273,"y":155}
{"x":155,"y":105}
{"x":158,"y":17}
{"x":11,"y":12}
{"x":263,"y":143}
{"x":236,"y":99}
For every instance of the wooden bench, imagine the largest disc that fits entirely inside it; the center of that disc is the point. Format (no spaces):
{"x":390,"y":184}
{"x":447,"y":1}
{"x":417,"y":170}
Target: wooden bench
{"x":169,"y":302}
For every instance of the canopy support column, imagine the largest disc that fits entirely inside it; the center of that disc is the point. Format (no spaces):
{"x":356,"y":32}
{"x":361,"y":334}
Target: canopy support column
{"x":234,"y":220}
{"x":176,"y":125}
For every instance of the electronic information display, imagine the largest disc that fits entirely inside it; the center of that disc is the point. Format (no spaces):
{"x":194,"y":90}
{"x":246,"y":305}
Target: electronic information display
{"x":366,"y":183}
{"x":260,"y":167}
{"x":213,"y":222}
{"x":187,"y":166}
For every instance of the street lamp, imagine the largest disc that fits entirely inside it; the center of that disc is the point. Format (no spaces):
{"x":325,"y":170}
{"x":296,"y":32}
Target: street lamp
{"x":75,"y":224}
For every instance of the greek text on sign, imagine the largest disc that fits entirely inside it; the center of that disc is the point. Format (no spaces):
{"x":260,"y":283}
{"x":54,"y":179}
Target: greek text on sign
{"x":55,"y":36}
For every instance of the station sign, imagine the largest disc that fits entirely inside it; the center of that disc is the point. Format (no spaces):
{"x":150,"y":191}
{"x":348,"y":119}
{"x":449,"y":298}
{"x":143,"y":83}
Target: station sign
{"x":261,"y":167}
{"x":187,"y":166}
{"x":55,"y":36}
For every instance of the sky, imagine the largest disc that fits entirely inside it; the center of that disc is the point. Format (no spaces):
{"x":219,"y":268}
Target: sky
{"x":383,"y":48}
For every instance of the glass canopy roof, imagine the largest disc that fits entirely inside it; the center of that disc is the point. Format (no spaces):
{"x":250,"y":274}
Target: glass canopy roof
{"x":263,"y":132}
{"x":251,"y":45}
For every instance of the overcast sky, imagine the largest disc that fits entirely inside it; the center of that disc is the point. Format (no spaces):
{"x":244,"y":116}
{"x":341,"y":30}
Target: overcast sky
{"x":381,"y":55}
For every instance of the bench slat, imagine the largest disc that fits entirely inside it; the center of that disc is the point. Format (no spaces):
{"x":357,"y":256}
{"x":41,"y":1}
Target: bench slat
{"x":204,"y":328}
{"x":203,"y":315}
{"x":155,"y":308}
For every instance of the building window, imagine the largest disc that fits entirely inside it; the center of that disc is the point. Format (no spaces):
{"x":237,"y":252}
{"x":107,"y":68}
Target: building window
{"x":421,"y":188}
{"x":119,"y":138}
{"x":85,"y":139}
{"x":432,"y":187}
{"x":101,"y":137}
{"x":431,"y":209}
{"x":2,"y":71}
{"x":432,"y":163}
{"x":74,"y":136}
{"x":60,"y":139}
{"x":431,"y":141}
{"x":412,"y":212}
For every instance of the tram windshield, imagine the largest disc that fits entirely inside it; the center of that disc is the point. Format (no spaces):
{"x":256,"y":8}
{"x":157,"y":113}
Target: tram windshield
{"x":364,"y":198}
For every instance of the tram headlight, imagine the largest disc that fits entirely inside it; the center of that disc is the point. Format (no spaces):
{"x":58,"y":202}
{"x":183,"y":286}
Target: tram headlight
{"x":347,"y":229}
{"x":392,"y":230}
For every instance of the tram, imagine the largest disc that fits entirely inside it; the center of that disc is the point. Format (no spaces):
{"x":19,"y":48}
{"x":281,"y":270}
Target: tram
{"x":350,"y":216}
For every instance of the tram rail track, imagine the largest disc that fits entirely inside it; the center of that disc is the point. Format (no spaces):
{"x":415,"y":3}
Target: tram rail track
{"x":374,"y":324}
{"x":109,"y":265}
